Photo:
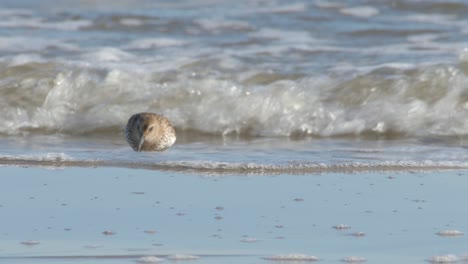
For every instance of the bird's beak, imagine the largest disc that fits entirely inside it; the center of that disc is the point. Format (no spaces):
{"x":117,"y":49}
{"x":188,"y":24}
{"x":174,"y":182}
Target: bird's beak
{"x":142,"y":140}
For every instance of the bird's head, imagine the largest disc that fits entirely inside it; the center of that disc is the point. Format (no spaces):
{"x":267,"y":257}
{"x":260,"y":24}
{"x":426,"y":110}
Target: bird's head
{"x":147,"y":130}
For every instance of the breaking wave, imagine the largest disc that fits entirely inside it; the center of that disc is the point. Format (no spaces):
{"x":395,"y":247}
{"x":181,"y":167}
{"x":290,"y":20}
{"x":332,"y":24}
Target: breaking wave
{"x":49,"y":97}
{"x":256,"y":69}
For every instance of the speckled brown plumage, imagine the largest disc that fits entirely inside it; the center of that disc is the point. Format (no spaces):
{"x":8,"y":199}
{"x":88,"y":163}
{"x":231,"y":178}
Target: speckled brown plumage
{"x":149,"y":132}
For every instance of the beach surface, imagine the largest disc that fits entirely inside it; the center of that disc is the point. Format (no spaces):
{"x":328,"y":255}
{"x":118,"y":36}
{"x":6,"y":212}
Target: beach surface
{"x":119,"y":215}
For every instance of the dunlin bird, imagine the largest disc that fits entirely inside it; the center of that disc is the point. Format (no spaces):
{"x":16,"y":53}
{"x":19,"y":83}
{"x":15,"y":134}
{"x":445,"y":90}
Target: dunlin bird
{"x":149,"y":132}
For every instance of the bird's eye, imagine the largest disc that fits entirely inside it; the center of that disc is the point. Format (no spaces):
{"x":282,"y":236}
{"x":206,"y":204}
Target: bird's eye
{"x":151,"y":129}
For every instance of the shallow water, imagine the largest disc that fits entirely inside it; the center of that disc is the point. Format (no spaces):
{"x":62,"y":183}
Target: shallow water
{"x":391,"y":217}
{"x":228,"y":156}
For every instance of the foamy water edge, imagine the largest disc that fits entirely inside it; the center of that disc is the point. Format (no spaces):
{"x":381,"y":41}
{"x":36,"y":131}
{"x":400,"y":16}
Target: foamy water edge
{"x":60,"y":160}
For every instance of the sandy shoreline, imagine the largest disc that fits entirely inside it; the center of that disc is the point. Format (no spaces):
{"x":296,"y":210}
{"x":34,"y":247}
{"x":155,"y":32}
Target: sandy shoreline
{"x":118,"y":215}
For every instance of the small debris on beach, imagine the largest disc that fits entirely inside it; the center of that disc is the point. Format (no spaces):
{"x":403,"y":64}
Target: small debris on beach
{"x":450,"y":233}
{"x":151,"y":232}
{"x":30,"y":242}
{"x":358,"y":234}
{"x":219,"y":208}
{"x":298,"y":199}
{"x":108,"y":233}
{"x":249,"y":240}
{"x":443,"y":259}
{"x":218,"y":217}
{"x":341,"y":227}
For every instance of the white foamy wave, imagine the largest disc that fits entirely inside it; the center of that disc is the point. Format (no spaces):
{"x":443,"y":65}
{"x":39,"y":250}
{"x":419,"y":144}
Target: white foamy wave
{"x":406,"y":100}
{"x":360,"y":11}
{"x":221,"y":24}
{"x":463,"y":57}
{"x":131,"y":22}
{"x":107,"y":54}
{"x":301,"y":68}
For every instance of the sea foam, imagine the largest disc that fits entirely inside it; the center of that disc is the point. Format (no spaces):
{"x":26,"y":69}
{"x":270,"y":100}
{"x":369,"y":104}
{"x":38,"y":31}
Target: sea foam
{"x":410,"y":102}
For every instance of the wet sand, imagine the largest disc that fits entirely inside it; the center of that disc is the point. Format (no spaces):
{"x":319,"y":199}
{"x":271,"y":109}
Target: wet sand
{"x":119,"y":215}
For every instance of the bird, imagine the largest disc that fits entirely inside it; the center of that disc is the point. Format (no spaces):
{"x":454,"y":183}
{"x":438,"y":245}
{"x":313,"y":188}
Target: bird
{"x":149,"y":132}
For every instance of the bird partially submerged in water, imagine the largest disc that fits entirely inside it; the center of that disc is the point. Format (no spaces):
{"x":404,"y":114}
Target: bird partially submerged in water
{"x":149,"y":132}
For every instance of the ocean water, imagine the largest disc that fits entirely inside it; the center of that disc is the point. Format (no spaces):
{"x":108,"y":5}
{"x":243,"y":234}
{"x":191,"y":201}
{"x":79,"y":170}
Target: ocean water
{"x":386,"y":78}
{"x":285,"y":89}
{"x":259,"y":68}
